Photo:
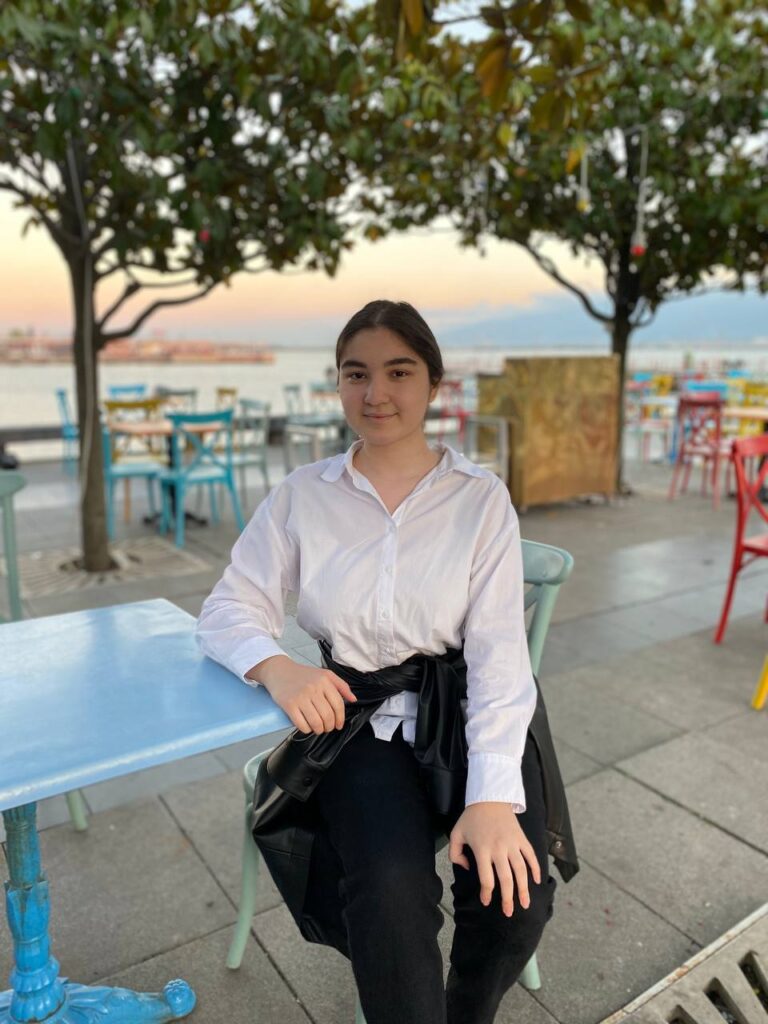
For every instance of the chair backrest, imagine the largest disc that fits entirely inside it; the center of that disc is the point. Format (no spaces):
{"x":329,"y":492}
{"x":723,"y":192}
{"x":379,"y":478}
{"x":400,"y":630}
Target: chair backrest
{"x":10,"y":483}
{"x":478,"y":431}
{"x":127,"y":390}
{"x":700,"y":419}
{"x":545,"y":569}
{"x":750,"y":461}
{"x":755,"y":393}
{"x":706,"y":387}
{"x":134,"y":408}
{"x":254,"y":425}
{"x":226,"y":398}
{"x":294,"y":403}
{"x":180,"y":399}
{"x":192,"y":449}
{"x":62,"y":400}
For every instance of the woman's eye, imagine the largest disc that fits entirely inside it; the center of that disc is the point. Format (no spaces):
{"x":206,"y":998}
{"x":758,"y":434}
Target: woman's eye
{"x":355,"y":375}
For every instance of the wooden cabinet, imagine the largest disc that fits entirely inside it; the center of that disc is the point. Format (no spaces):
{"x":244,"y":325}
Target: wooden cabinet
{"x":563,"y":424}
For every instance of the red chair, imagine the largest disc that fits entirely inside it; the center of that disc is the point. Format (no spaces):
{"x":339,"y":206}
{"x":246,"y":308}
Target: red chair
{"x":699,"y":433}
{"x":750,"y":460}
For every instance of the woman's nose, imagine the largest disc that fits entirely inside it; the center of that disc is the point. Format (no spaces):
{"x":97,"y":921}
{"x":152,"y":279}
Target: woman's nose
{"x":375,"y":393}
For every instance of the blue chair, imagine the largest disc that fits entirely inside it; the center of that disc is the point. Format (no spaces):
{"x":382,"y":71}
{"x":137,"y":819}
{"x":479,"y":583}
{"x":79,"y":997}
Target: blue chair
{"x":252,"y":441}
{"x":699,"y":386}
{"x":545,"y":569}
{"x":70,"y":434}
{"x":127,"y":390}
{"x":201,"y":454}
{"x":10,"y":483}
{"x":117,"y":469}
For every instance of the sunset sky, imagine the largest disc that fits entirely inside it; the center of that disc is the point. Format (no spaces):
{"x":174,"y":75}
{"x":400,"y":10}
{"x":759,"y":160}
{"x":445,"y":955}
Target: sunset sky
{"x":452,"y":287}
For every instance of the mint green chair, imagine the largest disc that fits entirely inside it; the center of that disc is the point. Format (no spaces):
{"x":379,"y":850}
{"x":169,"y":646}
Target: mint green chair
{"x":10,"y":484}
{"x":252,"y":441}
{"x":545,"y":569}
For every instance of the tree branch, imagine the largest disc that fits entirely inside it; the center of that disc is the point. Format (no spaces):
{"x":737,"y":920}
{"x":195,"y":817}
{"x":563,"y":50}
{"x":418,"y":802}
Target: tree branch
{"x":549,"y":268}
{"x":114,"y":335}
{"x":63,"y":238}
{"x":130,"y":289}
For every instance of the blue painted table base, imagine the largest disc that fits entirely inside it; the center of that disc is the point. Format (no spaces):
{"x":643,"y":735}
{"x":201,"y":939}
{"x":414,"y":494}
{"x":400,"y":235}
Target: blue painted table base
{"x":37,"y":993}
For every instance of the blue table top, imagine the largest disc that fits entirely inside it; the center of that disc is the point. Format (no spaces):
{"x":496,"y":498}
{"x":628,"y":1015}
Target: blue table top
{"x":94,"y":694}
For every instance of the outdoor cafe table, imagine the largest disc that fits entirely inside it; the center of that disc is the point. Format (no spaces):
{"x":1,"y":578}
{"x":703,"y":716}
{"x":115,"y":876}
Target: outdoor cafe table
{"x":758,"y":413}
{"x":84,"y":697}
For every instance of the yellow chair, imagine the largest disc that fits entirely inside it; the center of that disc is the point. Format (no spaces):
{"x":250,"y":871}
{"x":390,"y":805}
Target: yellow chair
{"x":226,"y":398}
{"x":126,"y":449}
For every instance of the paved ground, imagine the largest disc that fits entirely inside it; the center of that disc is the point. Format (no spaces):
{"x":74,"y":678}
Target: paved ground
{"x":665,"y":764}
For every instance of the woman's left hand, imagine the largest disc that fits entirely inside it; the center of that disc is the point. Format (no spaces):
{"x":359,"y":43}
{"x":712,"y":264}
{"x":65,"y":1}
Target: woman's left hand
{"x":494,"y":835}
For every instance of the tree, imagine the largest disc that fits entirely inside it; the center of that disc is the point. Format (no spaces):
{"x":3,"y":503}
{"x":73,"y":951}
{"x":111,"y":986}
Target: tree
{"x":689,"y":90}
{"x":169,"y":144}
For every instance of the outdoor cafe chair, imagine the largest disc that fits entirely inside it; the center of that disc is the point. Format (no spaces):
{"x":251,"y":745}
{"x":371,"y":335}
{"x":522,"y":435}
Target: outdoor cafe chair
{"x":129,"y":456}
{"x":545,"y":569}
{"x":198,"y":458}
{"x":477,"y":430}
{"x":127,"y":390}
{"x":226,"y":398}
{"x":252,"y":441}
{"x":69,"y":433}
{"x":750,"y":461}
{"x":10,"y":484}
{"x":177,"y":399}
{"x":699,"y":435}
{"x":117,"y":470}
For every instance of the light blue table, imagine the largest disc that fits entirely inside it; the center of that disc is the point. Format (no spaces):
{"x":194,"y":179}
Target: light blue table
{"x":85,"y":697}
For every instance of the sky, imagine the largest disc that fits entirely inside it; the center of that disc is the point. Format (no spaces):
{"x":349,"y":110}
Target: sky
{"x":501,"y":298}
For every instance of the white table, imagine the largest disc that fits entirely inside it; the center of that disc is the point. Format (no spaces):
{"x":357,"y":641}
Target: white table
{"x":85,"y":697}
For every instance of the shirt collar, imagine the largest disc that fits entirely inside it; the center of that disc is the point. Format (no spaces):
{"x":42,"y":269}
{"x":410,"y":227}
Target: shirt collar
{"x":452,"y":460}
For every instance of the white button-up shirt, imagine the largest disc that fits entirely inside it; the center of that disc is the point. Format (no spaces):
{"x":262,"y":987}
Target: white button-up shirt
{"x":444,"y":569}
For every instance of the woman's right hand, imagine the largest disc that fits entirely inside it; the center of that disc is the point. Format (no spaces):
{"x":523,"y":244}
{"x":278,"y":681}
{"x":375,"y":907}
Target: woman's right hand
{"x":313,"y":698}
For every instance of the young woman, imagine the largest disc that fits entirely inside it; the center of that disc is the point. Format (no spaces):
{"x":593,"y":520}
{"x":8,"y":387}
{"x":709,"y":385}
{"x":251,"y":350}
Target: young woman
{"x":406,"y":560}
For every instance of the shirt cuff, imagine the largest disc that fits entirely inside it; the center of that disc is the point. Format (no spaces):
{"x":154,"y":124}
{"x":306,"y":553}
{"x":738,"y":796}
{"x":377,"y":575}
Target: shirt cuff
{"x":495,"y":777}
{"x":255,"y":650}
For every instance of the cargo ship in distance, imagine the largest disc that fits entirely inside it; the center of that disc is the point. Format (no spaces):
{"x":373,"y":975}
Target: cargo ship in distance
{"x":28,"y":349}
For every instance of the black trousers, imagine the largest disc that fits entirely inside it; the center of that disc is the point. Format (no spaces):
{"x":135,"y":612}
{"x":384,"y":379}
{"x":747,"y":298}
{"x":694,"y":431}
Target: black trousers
{"x":377,"y":821}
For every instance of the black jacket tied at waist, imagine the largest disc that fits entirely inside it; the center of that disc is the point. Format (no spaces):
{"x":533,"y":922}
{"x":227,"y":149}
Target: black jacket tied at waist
{"x":282,"y":820}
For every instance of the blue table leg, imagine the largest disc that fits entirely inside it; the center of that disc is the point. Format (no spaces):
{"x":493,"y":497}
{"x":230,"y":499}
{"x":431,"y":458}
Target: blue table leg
{"x":37,"y":993}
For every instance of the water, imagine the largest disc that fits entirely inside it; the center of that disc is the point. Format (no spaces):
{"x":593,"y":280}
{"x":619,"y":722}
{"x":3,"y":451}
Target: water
{"x":27,"y":391}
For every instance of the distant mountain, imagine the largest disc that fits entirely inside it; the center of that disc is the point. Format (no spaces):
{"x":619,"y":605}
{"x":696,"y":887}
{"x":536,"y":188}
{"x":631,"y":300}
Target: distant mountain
{"x":719,"y":319}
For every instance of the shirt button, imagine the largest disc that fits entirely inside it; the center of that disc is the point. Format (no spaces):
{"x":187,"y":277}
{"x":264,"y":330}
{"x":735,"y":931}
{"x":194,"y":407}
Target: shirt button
{"x":388,"y":570}
{"x":385,"y":615}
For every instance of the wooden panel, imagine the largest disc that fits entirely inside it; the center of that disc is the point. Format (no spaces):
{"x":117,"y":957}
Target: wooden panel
{"x":563,"y":415}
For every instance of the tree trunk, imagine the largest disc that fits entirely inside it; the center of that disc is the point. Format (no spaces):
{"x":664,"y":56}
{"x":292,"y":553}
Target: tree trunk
{"x":93,"y":520}
{"x":620,"y":334}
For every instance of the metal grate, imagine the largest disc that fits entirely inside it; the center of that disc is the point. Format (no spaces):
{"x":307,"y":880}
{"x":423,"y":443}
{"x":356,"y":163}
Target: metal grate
{"x":726,"y":983}
{"x":140,"y":558}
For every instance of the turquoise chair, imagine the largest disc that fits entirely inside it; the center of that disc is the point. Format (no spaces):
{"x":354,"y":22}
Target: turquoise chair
{"x":201,"y":454}
{"x":10,"y":483}
{"x":117,"y":470}
{"x":252,"y":441}
{"x":545,"y":569}
{"x":69,"y":433}
{"x":127,"y":390}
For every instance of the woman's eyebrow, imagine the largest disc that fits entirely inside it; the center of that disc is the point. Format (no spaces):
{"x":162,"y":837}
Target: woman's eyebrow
{"x":390,"y":362}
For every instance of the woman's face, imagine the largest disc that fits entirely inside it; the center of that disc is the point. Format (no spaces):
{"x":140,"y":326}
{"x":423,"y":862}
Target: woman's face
{"x":384,"y":387}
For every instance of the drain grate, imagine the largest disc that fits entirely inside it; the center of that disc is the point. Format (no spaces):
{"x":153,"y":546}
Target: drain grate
{"x":52,"y":572}
{"x":726,"y":983}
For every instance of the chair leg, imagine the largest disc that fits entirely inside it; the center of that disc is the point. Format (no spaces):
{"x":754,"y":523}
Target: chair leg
{"x":735,"y":570}
{"x":126,"y":500}
{"x":179,"y":516}
{"x":212,"y":499}
{"x":78,"y":815}
{"x":247,"y":909}
{"x":236,"y":504}
{"x":530,"y":978}
{"x":151,"y":496}
{"x":165,"y":511}
{"x":110,"y":487}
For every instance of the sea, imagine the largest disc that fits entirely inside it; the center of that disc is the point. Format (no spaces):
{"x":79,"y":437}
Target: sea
{"x":27,"y":391}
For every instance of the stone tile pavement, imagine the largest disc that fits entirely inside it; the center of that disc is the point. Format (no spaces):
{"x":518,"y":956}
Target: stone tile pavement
{"x":664,"y":760}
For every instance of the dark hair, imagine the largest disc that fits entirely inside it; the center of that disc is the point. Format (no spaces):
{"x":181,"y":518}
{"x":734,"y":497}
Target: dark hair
{"x":403,"y":320}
